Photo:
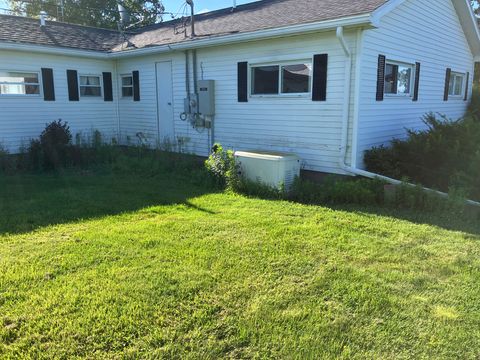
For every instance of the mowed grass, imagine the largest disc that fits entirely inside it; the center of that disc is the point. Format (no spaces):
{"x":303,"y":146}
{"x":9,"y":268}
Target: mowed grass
{"x":102,"y":265}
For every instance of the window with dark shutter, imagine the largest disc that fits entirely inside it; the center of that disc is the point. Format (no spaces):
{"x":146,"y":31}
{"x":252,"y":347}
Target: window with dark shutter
{"x":48,"y":85}
{"x":107,"y":86}
{"x":465,"y":98}
{"x":447,"y":84}
{"x":320,"y":71}
{"x":72,"y":79}
{"x":242,"y":81}
{"x":380,"y":77}
{"x":136,"y":85}
{"x":417,"y":81}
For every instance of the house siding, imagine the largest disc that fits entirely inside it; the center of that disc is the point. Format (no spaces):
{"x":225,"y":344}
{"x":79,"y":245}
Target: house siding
{"x":308,"y":128}
{"x":415,"y":31}
{"x":24,"y":117}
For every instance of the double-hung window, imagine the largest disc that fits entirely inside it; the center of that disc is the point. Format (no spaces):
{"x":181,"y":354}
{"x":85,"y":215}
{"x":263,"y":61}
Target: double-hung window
{"x":127,"y":86}
{"x":19,"y":83}
{"x":456,"y":84}
{"x":90,"y":85}
{"x":280,"y":79}
{"x":398,"y":78}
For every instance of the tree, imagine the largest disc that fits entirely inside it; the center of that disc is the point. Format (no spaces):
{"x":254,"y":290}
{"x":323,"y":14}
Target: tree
{"x":476,"y":6}
{"x":98,"y":13}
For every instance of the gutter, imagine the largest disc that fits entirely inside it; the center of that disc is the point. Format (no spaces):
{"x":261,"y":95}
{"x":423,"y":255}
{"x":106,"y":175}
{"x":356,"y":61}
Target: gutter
{"x":53,"y":50}
{"x":352,"y":169}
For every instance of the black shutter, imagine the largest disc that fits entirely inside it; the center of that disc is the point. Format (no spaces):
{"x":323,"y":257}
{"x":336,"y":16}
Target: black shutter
{"x":447,"y":84}
{"x":72,"y":79}
{"x":136,"y":85}
{"x":107,"y":86}
{"x":417,"y":81}
{"x":465,"y":98}
{"x":320,"y":69}
{"x":381,"y":77}
{"x":48,"y":85}
{"x":242,"y":81}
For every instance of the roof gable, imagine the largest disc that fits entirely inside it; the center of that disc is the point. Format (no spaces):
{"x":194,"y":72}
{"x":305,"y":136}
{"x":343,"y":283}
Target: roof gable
{"x":464,"y":11}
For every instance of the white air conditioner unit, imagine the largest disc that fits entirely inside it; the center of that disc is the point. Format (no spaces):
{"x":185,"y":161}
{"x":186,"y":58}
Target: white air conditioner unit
{"x":269,"y":168}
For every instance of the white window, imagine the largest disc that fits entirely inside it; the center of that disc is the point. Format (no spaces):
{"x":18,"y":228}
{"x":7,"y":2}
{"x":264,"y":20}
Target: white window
{"x":455,"y":85}
{"x":398,"y":78}
{"x":19,"y":83}
{"x":127,"y":86}
{"x":288,"y":78}
{"x":90,"y":85}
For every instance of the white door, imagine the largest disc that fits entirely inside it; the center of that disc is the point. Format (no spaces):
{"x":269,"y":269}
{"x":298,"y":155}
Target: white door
{"x":166,"y":130}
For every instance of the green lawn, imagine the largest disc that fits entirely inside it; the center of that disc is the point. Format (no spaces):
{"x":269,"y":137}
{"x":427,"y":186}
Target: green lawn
{"x":103,"y":265}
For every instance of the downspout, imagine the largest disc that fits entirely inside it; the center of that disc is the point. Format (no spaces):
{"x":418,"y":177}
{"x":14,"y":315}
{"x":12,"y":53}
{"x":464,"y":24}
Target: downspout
{"x":195,"y":76}
{"x":346,"y":96}
{"x":187,"y":73}
{"x":345,"y":120}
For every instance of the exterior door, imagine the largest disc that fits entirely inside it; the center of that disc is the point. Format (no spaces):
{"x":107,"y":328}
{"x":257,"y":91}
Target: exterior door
{"x":166,"y":129}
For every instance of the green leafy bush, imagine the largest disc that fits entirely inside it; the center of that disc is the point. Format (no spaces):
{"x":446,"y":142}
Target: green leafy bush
{"x":222,"y":167}
{"x":445,"y":156}
{"x":7,"y":162}
{"x":55,"y":140}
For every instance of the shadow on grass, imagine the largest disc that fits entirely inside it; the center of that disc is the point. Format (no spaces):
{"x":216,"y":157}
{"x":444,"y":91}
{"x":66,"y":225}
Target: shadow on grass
{"x":446,"y":221}
{"x":29,"y":202}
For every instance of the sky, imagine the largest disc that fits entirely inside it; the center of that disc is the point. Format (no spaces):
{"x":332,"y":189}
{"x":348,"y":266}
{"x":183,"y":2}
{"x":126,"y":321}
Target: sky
{"x":201,"y":5}
{"x":174,"y":5}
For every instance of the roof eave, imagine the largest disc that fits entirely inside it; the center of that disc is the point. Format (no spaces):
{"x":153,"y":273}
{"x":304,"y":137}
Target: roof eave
{"x":353,"y":21}
{"x":469,"y":25}
{"x":52,"y":50}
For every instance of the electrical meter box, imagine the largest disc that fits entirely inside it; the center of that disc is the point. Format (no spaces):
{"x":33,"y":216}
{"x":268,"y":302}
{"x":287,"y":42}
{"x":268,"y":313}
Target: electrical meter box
{"x":206,"y":97}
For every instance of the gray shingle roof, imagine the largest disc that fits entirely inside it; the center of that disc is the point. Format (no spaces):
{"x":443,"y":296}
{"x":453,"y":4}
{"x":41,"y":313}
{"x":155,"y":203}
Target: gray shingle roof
{"x":260,"y":15}
{"x":26,"y":30}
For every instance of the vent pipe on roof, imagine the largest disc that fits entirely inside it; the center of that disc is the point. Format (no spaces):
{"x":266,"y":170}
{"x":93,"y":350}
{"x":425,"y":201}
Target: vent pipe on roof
{"x":234,"y":5}
{"x":43,"y":16}
{"x":190,"y":2}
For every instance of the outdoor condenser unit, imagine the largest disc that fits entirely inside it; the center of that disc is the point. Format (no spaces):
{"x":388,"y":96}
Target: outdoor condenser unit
{"x":270,"y":168}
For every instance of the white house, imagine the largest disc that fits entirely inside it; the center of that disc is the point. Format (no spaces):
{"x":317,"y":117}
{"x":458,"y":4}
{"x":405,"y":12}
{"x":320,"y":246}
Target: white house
{"x":325,"y":79}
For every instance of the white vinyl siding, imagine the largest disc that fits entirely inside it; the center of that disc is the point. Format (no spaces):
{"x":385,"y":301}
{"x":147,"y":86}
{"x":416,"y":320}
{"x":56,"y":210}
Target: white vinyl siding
{"x":414,"y":32}
{"x":24,"y":117}
{"x":295,"y":124}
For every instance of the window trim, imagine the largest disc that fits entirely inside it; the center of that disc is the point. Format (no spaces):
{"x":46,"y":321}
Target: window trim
{"x":412,"y":67}
{"x":130,"y":75}
{"x":281,"y":64}
{"x":40,"y":84}
{"x":454,"y":74}
{"x":100,"y":77}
